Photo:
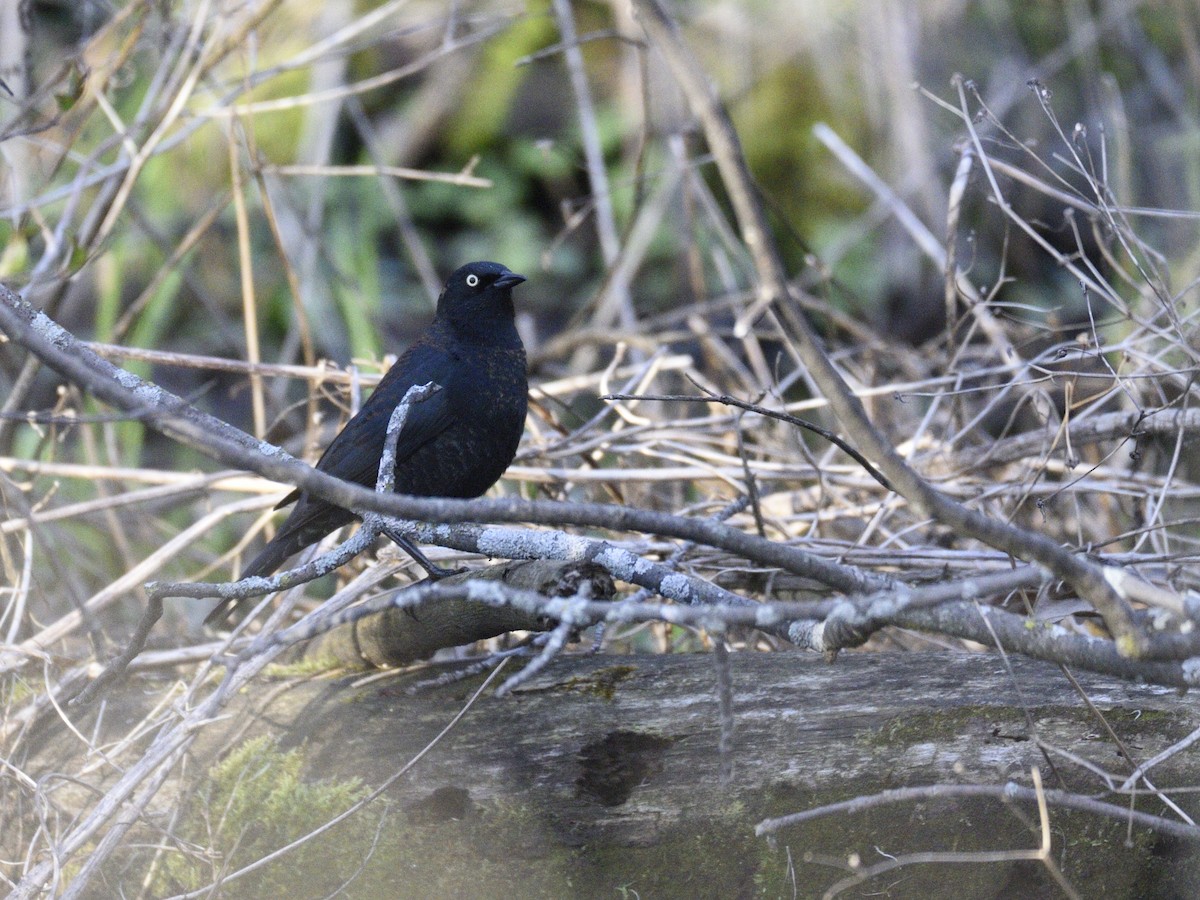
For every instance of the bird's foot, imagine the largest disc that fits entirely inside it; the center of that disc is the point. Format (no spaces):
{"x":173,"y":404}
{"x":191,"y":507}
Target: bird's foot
{"x":432,"y":569}
{"x":436,"y":572}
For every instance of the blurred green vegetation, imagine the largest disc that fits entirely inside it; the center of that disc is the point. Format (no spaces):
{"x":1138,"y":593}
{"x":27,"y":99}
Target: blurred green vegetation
{"x":253,"y":803}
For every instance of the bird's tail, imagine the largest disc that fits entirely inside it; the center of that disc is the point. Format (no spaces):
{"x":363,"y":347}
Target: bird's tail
{"x":270,"y":558}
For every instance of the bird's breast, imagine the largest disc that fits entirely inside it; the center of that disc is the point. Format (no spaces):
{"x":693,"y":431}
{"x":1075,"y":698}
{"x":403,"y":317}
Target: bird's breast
{"x":488,"y":399}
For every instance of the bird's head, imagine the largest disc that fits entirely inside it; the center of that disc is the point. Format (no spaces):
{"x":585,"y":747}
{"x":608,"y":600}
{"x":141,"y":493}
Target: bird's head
{"x":479,"y":295}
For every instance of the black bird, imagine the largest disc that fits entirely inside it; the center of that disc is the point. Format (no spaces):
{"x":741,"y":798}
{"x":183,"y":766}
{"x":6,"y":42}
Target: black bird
{"x":456,"y":443}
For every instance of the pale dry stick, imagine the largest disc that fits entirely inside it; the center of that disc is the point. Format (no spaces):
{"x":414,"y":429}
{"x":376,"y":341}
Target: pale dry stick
{"x":708,"y":436}
{"x":639,"y":378}
{"x":119,"y":530}
{"x":718,"y":421}
{"x":573,"y":216}
{"x":1016,"y":173}
{"x":616,"y":304}
{"x":618,"y":293}
{"x":149,"y":772}
{"x":709,"y":466}
{"x":606,"y":225}
{"x":727,"y":400}
{"x":22,"y":778}
{"x":1006,"y":792}
{"x":1140,"y":772}
{"x":107,"y":172}
{"x":155,"y":763}
{"x":698,"y":471}
{"x":58,"y":240}
{"x":1022,"y":176}
{"x":193,"y":59}
{"x":695,"y":187}
{"x":571,"y":384}
{"x":624,"y":422}
{"x":358,"y":87}
{"x":301,"y":326}
{"x":168,"y":266}
{"x":950,"y":271}
{"x":177,"y":482}
{"x":410,"y":235}
{"x":157,"y":716}
{"x":1103,"y":427}
{"x":135,"y":577}
{"x":1120,"y":270}
{"x":1101,"y":288}
{"x":246,"y":278}
{"x":732,"y":477}
{"x":345,"y":34}
{"x":19,"y":592}
{"x":462,"y":179}
{"x":1041,"y":854}
{"x":1105,"y":205}
{"x":715,"y":216}
{"x":601,"y":34}
{"x":1154,"y":505}
{"x":908,"y":448}
{"x":114,"y":119}
{"x":1151,"y":365}
{"x":1098,"y":352}
{"x":625,"y":414}
{"x":925,"y":239}
{"x":734,"y":372}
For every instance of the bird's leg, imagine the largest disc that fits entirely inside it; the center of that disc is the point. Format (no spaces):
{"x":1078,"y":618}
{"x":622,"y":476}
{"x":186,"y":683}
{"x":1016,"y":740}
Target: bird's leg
{"x":432,"y":569}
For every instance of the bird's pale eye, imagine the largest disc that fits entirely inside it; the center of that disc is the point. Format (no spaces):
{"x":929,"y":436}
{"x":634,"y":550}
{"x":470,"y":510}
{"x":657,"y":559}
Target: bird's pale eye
{"x":472,"y":280}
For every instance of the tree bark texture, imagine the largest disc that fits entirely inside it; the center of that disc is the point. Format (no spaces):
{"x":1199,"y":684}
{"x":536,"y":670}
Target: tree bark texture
{"x":603,"y":773}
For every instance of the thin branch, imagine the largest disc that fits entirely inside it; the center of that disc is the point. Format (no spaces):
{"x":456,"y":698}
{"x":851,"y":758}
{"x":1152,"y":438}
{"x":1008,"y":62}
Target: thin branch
{"x":726,"y":148}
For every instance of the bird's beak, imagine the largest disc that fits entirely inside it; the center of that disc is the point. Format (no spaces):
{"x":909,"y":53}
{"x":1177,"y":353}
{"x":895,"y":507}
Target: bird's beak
{"x":508,"y":280}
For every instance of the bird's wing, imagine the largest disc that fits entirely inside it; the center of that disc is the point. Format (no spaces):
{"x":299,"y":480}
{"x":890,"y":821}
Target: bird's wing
{"x":354,"y":453}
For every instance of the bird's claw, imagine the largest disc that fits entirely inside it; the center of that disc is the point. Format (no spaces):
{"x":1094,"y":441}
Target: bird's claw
{"x":437,"y":573}
{"x":432,"y":569}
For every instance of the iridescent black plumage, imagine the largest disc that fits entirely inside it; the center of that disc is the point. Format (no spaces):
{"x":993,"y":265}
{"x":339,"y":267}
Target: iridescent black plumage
{"x":457,"y":443}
